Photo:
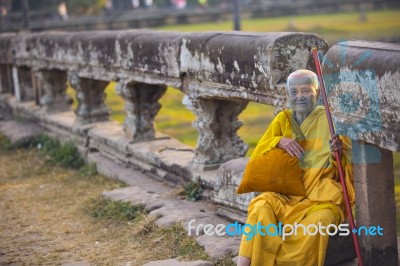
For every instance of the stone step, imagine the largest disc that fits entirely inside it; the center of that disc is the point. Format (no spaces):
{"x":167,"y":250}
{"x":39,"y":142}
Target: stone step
{"x":20,"y":133}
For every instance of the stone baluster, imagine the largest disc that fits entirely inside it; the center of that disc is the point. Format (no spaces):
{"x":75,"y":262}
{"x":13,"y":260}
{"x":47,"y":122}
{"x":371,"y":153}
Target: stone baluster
{"x":217,"y":123}
{"x":53,"y":84}
{"x":27,"y":91}
{"x":91,"y":99}
{"x":6,"y":84}
{"x":141,"y":105}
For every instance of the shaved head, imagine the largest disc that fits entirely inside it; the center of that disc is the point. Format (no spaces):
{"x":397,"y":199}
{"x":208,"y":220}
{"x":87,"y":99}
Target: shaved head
{"x":302,"y":77}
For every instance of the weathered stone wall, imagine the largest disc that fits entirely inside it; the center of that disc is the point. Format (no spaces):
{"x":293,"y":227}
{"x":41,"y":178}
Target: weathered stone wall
{"x":219,"y":73}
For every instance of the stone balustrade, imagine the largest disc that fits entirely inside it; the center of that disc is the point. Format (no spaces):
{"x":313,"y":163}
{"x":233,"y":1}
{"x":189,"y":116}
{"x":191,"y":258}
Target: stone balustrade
{"x":219,"y":73}
{"x":216,"y":73}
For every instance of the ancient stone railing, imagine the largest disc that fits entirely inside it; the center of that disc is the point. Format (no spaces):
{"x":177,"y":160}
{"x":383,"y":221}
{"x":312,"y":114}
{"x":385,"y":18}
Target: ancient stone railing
{"x":219,"y":73}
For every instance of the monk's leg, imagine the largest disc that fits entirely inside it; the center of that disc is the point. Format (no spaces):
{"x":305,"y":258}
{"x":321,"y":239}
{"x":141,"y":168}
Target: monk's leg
{"x":252,"y":246}
{"x":308,"y":248}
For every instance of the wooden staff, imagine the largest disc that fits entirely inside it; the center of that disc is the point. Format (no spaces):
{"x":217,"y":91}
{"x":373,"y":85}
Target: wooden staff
{"x":337,"y":155}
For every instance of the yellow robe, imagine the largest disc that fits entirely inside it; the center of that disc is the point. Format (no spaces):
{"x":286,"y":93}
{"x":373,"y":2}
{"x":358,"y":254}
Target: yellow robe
{"x":323,"y":201}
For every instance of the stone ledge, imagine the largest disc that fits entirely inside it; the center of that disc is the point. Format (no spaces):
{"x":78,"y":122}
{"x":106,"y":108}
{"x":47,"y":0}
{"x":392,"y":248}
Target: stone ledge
{"x":20,"y":133}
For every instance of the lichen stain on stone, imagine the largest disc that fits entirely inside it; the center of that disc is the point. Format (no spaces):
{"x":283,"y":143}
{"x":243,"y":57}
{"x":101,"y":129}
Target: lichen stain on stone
{"x":220,"y":66}
{"x":189,"y":61}
{"x":261,"y":62}
{"x":207,"y":66}
{"x":389,"y":87}
{"x":236,"y":66}
{"x":299,"y":59}
{"x":170,"y":55}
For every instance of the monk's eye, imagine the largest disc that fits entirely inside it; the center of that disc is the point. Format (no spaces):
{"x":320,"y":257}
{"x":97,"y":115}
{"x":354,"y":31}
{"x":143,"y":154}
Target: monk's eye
{"x":293,"y":93}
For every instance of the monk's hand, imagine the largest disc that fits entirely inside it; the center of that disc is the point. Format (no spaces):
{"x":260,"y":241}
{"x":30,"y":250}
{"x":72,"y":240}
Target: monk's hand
{"x":291,"y":146}
{"x":336,"y":144}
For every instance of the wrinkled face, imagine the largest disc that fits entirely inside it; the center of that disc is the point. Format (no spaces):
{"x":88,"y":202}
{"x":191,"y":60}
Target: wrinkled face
{"x":302,"y":97}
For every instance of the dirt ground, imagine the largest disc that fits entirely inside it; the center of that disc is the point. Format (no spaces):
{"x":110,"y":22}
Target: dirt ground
{"x":44,"y":221}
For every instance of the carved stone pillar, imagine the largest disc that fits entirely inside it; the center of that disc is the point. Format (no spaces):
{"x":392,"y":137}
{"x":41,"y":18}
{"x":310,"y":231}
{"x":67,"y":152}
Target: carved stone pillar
{"x":53,"y":85}
{"x":90,"y":95}
{"x":6,"y":84}
{"x":141,"y":105}
{"x":27,"y":92}
{"x":217,"y":123}
{"x":375,"y":203}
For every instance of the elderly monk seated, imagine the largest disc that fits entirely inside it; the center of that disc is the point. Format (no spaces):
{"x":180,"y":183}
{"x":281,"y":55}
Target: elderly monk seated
{"x":323,"y":203}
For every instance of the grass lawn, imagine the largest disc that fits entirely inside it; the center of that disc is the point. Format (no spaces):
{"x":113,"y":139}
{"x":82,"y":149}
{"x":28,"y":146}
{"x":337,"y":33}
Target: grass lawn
{"x":380,"y":25}
{"x":52,"y":215}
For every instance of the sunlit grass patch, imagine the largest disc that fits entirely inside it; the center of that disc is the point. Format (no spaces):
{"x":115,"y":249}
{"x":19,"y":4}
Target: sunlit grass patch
{"x":102,"y":208}
{"x":57,"y":153}
{"x":382,"y":24}
{"x":193,"y":191}
{"x":43,"y":214}
{"x":88,"y":170}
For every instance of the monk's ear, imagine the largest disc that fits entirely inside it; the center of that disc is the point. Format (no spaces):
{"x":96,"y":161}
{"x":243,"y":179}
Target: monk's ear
{"x":319,"y":98}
